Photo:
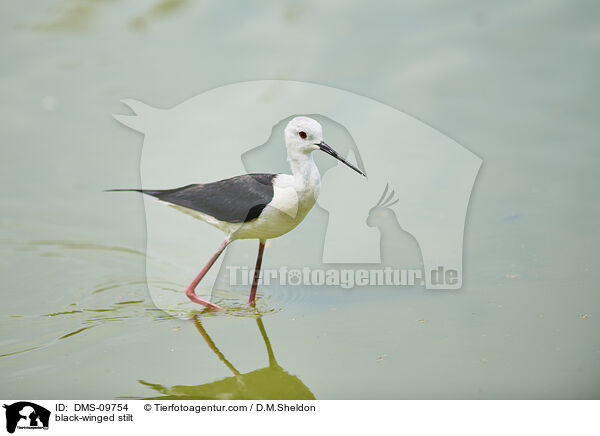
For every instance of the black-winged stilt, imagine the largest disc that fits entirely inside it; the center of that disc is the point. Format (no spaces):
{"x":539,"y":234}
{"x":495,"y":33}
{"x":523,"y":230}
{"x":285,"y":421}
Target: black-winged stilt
{"x":256,"y":206}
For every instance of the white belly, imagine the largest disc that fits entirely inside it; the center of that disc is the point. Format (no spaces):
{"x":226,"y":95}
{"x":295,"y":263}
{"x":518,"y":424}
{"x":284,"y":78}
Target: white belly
{"x":290,"y":205}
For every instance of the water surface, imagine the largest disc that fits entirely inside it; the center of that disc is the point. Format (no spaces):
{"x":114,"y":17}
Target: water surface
{"x":514,"y":82}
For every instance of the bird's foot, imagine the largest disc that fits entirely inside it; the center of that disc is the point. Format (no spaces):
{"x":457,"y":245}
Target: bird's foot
{"x":204,"y":303}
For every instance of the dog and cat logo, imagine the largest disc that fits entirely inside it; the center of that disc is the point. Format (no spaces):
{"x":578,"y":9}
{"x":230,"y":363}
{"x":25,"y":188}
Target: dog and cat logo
{"x":26,"y":415}
{"x":418,"y":224}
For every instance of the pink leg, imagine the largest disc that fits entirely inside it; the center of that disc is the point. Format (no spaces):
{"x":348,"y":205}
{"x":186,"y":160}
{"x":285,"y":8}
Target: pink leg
{"x":261,"y":247}
{"x":190,"y":291}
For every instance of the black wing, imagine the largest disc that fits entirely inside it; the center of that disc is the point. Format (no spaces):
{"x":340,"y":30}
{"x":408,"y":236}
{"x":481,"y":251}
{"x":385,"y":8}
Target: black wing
{"x":235,"y":200}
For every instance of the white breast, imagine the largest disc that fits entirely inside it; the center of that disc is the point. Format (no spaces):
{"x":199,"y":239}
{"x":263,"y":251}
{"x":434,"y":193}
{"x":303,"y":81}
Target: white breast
{"x":292,"y":200}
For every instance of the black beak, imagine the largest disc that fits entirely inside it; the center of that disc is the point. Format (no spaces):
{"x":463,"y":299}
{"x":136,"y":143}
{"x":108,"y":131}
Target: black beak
{"x":327,"y":149}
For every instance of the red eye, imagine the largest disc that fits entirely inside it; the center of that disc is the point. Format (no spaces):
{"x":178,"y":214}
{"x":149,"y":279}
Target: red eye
{"x":302,"y":135}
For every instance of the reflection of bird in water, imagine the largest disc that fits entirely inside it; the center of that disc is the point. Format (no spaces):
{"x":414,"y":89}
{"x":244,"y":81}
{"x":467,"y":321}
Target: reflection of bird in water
{"x":398,"y":247}
{"x":270,"y":383}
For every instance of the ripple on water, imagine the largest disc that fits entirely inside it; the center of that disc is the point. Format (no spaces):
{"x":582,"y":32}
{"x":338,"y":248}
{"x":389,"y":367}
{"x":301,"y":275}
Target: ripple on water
{"x":234,"y":302}
{"x":119,"y":299}
{"x":269,"y":300}
{"x":43,"y":245}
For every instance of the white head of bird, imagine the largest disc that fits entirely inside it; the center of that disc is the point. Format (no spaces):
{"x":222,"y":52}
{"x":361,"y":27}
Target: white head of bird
{"x":304,"y":135}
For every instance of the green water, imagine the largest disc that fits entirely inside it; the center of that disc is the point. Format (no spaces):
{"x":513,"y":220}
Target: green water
{"x":514,"y":82}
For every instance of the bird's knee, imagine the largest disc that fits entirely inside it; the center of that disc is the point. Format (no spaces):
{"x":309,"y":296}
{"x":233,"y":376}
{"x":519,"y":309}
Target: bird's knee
{"x":189,"y":292}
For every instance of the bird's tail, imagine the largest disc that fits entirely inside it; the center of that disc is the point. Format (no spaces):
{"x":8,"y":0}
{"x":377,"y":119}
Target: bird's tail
{"x":143,"y":191}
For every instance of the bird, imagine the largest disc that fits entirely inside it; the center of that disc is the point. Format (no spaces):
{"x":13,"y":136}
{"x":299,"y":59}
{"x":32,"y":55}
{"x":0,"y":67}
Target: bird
{"x":258,"y":205}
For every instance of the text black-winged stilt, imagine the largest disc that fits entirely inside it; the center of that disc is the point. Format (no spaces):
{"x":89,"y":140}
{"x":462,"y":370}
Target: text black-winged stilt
{"x":256,"y":206}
